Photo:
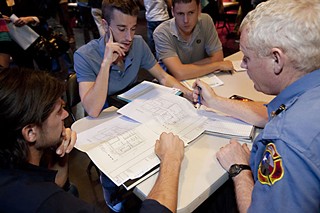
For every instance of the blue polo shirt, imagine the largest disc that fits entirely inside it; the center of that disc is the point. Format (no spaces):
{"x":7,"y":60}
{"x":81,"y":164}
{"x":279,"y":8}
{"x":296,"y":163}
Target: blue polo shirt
{"x":285,"y":157}
{"x":88,"y":59}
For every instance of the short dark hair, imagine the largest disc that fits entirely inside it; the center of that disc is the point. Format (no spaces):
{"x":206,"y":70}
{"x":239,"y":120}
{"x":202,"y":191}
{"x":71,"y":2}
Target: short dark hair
{"x":128,"y":7}
{"x":184,"y":1}
{"x":26,"y":97}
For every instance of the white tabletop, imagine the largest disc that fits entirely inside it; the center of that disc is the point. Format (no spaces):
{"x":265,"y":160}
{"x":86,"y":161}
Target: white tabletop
{"x":201,"y":173}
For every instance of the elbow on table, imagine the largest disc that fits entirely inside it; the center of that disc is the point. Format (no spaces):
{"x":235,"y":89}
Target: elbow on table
{"x":93,"y":112}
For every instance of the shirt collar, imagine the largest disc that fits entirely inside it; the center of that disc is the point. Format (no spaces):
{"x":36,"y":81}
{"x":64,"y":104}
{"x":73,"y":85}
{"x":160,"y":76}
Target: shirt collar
{"x":290,"y":94}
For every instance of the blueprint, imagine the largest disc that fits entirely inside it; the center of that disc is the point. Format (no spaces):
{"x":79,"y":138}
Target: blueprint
{"x":123,"y":147}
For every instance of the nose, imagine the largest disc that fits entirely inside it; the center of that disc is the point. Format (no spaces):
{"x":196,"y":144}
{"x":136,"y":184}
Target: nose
{"x":185,"y":18}
{"x":129,"y":35}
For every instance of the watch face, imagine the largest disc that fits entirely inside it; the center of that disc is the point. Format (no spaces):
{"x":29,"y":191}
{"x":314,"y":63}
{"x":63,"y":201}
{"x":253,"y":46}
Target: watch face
{"x":234,"y":169}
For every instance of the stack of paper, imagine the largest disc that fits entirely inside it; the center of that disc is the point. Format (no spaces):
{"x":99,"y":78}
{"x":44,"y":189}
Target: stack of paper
{"x":123,"y":147}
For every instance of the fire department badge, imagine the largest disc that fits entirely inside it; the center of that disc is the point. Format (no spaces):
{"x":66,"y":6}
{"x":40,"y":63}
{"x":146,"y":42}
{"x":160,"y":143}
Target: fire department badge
{"x":270,"y":168}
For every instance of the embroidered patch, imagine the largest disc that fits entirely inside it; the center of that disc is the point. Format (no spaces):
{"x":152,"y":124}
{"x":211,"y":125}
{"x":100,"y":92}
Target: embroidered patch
{"x":270,"y":168}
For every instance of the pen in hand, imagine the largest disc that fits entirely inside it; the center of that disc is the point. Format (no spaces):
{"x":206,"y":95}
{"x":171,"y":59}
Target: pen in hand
{"x":199,"y":98}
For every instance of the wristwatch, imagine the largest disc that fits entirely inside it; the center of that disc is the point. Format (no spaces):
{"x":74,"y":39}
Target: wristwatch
{"x":235,"y":169}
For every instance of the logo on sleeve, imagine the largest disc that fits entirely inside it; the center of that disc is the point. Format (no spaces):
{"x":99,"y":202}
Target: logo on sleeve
{"x":270,"y":168}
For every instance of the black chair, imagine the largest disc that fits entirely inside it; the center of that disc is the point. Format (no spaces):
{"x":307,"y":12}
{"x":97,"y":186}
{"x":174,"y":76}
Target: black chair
{"x":73,"y":98}
{"x":72,"y":93}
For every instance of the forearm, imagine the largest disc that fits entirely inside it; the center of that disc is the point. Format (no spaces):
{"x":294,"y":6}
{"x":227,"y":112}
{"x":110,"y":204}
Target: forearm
{"x":165,"y":190}
{"x":170,"y":81}
{"x":253,"y":112}
{"x":189,"y":71}
{"x":243,"y":184}
{"x":95,"y":96}
{"x":216,"y":57}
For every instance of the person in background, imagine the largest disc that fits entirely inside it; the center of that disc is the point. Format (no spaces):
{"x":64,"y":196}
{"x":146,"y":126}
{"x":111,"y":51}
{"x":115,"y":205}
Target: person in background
{"x":97,"y":14}
{"x":213,"y":8}
{"x":66,"y":22}
{"x":156,"y":13}
{"x":280,"y":41}
{"x":5,"y":42}
{"x":188,"y":45}
{"x":32,"y":129}
{"x":29,"y":13}
{"x":244,"y":8}
{"x":88,"y":23}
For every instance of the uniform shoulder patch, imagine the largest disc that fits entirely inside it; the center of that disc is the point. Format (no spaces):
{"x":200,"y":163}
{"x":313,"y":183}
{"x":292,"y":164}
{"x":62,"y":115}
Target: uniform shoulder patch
{"x":270,"y":168}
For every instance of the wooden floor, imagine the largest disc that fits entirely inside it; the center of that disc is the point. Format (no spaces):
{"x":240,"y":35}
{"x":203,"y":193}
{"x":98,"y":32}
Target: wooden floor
{"x":88,"y":185}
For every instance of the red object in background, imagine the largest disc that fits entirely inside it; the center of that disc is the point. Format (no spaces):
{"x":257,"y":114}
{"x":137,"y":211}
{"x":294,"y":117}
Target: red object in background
{"x":3,"y":26}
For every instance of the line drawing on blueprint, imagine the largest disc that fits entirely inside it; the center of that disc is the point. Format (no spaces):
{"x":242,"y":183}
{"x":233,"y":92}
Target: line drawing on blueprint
{"x":169,"y":113}
{"x":121,"y":144}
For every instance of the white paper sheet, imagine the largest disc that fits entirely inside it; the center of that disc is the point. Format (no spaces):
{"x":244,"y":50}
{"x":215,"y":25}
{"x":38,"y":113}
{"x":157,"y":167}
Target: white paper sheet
{"x":211,"y":79}
{"x":124,"y":149}
{"x":145,"y":90}
{"x":126,"y":156}
{"x":102,"y":133}
{"x":167,"y":113}
{"x":237,"y":66}
{"x":24,"y":35}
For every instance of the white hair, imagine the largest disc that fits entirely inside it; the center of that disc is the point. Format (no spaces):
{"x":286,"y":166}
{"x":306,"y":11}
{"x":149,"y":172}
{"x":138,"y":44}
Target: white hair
{"x":290,"y":25}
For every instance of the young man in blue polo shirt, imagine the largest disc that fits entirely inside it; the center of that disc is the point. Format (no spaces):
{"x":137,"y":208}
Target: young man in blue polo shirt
{"x":111,"y":64}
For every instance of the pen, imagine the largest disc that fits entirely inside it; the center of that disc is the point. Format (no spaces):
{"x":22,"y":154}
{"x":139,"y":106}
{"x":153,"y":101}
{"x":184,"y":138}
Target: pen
{"x":230,"y":71}
{"x":199,"y":98}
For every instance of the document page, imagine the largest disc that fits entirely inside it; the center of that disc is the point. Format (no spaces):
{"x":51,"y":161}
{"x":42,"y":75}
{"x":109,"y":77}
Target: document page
{"x":90,"y":138}
{"x":127,"y":156}
{"x":24,"y":35}
{"x":237,"y":66}
{"x":211,"y":79}
{"x":226,"y":125}
{"x":167,"y":113}
{"x":121,"y":148}
{"x":146,"y":90}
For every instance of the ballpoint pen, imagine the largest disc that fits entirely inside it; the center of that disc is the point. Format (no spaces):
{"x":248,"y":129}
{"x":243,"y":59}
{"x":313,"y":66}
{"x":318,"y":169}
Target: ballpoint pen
{"x":199,"y":98}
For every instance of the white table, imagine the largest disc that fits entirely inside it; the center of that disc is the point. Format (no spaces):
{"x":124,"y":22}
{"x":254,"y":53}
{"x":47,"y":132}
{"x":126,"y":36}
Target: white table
{"x":201,"y":174}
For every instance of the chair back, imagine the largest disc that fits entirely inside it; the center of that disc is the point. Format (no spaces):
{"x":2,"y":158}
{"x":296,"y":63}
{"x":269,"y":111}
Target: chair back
{"x":72,"y":93}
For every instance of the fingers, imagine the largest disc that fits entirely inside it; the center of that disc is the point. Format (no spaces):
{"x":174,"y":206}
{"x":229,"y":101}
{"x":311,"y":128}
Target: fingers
{"x":110,"y":40}
{"x":228,"y":66}
{"x":69,"y":138}
{"x":169,"y":146}
{"x":196,"y":89}
{"x":246,"y":148}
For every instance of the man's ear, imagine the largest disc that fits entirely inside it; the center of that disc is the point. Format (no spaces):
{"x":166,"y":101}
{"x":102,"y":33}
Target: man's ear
{"x":30,"y":133}
{"x":105,"y":25}
{"x":278,"y":60}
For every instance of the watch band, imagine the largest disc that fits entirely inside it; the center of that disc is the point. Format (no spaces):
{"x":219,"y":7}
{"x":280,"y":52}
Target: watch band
{"x":235,"y":169}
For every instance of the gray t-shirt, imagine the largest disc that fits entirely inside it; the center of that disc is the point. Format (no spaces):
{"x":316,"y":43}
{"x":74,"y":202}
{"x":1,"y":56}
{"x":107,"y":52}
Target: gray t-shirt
{"x":204,"y":42}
